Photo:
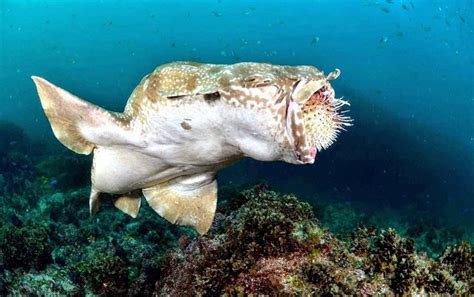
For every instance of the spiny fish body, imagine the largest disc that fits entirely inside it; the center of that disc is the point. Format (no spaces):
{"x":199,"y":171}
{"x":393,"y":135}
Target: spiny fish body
{"x":185,"y":121}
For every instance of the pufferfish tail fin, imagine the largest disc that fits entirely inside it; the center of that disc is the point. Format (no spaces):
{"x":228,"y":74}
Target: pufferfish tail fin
{"x":78,"y":124}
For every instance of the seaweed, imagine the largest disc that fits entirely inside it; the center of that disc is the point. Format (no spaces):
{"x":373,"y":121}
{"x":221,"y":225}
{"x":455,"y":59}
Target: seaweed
{"x":104,"y":271}
{"x":25,"y":247}
{"x":460,"y":260}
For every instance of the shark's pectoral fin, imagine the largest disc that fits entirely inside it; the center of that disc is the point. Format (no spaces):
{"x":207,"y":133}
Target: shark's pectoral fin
{"x":129,"y":203}
{"x":188,"y":200}
{"x":78,"y":124}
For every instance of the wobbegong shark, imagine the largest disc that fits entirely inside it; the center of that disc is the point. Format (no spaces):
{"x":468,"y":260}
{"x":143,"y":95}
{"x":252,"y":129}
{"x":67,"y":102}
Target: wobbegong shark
{"x":185,"y":121}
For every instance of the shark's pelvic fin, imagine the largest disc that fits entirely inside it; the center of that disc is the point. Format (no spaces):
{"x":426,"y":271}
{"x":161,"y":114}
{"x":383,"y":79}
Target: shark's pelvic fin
{"x":78,"y":124}
{"x":94,"y":201}
{"x":188,"y":200}
{"x":129,"y":203}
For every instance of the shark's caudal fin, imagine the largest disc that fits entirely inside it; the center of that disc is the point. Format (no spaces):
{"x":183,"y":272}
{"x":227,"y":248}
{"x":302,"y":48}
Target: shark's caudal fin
{"x":78,"y":124}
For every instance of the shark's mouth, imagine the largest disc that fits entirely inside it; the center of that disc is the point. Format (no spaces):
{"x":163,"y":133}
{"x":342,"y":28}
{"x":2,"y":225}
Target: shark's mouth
{"x":324,"y":117}
{"x":315,"y":117}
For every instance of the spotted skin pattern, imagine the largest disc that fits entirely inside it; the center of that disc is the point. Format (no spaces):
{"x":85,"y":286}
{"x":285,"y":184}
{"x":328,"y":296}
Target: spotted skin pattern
{"x":253,"y":86}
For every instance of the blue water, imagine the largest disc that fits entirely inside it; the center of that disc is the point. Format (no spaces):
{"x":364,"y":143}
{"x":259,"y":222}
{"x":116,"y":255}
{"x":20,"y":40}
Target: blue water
{"x":407,"y":69}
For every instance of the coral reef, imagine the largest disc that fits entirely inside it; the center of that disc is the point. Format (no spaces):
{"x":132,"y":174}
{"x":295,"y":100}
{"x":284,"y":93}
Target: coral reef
{"x":262,"y":242}
{"x":53,"y":281}
{"x":25,"y":246}
{"x":105,"y":271}
{"x":459,"y":260}
{"x":272,"y":244}
{"x":266,"y":225}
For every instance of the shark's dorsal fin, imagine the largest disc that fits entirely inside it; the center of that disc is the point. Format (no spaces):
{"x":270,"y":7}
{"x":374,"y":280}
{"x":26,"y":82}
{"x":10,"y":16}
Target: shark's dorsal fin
{"x":187,"y":200}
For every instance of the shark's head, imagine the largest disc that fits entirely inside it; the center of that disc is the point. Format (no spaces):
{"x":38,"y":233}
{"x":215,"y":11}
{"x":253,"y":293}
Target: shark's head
{"x":314,"y":117}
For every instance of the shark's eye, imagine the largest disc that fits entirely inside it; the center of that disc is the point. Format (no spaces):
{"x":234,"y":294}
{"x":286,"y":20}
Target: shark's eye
{"x":251,"y":78}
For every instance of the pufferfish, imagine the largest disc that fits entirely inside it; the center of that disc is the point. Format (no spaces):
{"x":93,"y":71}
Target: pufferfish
{"x":185,"y":121}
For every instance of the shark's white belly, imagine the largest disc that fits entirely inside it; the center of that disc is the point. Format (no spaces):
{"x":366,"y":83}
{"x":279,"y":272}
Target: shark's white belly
{"x":183,"y":140}
{"x":119,"y":170}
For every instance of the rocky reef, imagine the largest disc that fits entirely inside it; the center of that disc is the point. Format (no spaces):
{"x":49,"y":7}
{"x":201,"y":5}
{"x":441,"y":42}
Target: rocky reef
{"x":272,"y":244}
{"x":262,"y":242}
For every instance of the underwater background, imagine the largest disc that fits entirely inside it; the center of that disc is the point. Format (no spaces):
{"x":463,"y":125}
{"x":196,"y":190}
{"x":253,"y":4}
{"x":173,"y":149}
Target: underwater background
{"x":406,"y":163}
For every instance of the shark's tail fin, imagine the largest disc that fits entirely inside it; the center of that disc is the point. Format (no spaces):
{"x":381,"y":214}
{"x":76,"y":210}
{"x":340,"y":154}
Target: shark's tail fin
{"x":78,"y":124}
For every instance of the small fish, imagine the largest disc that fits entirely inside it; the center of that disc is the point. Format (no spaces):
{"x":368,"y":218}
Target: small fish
{"x":383,"y":39}
{"x":13,"y":142}
{"x":217,"y":14}
{"x":404,"y":6}
{"x":412,"y":5}
{"x":389,"y":1}
{"x":462,"y":19}
{"x":385,"y":9}
{"x":54,"y":182}
{"x":315,"y":40}
{"x":399,"y":34}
